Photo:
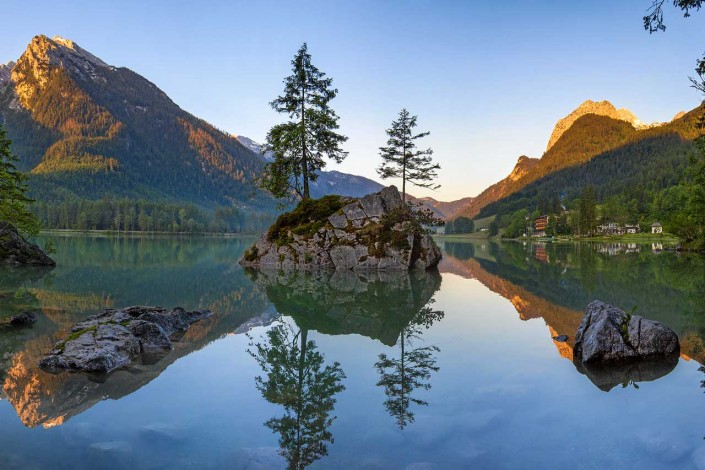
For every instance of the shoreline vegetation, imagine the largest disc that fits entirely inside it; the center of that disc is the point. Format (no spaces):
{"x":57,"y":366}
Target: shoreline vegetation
{"x":145,"y":233}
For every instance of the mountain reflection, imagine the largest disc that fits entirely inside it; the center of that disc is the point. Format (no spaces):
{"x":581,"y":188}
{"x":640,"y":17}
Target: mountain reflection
{"x":297,"y":378}
{"x":556,"y":281}
{"x":198,"y":273}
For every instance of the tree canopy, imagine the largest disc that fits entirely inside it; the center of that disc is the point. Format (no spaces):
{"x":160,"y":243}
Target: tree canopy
{"x":300,"y":145}
{"x":401,"y":160}
{"x":14,"y":202}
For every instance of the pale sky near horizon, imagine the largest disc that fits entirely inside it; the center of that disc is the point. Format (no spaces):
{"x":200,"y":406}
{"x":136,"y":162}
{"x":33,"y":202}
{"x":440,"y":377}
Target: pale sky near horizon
{"x":489,"y":79}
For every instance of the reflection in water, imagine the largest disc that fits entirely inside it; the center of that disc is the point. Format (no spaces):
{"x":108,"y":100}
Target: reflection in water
{"x":378,"y":305}
{"x":194,"y":273}
{"x":394,"y":308}
{"x":412,"y":370}
{"x":297,"y":378}
{"x":557,"y":285}
{"x":607,"y":377}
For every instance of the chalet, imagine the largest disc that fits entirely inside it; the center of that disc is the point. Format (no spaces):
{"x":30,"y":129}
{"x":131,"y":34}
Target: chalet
{"x":656,"y":227}
{"x":540,"y":225}
{"x":632,"y":228}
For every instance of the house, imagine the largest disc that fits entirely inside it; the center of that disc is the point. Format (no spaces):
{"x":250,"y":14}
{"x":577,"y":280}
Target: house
{"x":540,"y":224}
{"x":656,"y":227}
{"x":632,"y":228}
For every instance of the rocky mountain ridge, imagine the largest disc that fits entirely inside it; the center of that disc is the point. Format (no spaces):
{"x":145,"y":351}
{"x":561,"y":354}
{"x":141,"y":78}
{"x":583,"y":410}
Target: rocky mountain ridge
{"x":590,"y":130}
{"x":85,"y":129}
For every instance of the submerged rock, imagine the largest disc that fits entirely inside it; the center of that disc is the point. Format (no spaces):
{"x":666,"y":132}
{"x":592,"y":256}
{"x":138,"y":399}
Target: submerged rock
{"x":561,"y":338}
{"x":608,"y":335}
{"x":15,"y":250}
{"x":115,"y":338}
{"x":345,"y":234}
{"x":23,"y":319}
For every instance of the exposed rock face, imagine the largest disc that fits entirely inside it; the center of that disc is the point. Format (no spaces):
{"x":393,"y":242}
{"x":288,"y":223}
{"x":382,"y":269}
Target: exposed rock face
{"x":352,"y":238}
{"x":608,"y":335}
{"x":5,"y":72}
{"x":114,"y":338}
{"x":15,"y":250}
{"x":601,"y":108}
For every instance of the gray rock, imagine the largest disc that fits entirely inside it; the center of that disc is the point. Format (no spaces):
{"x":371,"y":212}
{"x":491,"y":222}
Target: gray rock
{"x":338,"y":220}
{"x":115,"y":338}
{"x":23,"y":319}
{"x":373,"y":205}
{"x":353,"y":211}
{"x":349,"y":241}
{"x":561,"y":338}
{"x":15,"y":250}
{"x":609,"y":335}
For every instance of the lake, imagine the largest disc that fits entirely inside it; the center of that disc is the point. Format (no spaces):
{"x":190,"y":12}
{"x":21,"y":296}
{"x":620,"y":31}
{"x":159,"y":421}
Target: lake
{"x":454,"y":369}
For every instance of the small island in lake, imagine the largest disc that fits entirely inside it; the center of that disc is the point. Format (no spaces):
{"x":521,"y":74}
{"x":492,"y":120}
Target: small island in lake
{"x":375,"y":232}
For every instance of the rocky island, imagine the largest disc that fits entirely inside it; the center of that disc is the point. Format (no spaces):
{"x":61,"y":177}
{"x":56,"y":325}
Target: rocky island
{"x":342,"y":233}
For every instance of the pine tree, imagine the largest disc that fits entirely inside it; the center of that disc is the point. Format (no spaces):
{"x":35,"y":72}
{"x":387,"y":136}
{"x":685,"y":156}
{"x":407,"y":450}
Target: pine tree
{"x":300,"y":145}
{"x":401,"y":160}
{"x":14,"y":202}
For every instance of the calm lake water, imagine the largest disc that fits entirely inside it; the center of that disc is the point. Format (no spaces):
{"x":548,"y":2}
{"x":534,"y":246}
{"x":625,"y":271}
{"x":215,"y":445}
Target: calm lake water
{"x":456,"y":369}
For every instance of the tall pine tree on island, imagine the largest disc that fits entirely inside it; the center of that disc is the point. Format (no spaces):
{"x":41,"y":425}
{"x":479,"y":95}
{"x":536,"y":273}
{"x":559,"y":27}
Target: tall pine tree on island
{"x":14,"y":202}
{"x":400,"y":159}
{"x":300,"y":144}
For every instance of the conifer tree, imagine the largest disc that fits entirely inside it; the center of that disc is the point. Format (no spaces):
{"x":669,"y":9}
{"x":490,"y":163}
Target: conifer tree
{"x":300,"y":144}
{"x":14,"y":202}
{"x":400,"y":159}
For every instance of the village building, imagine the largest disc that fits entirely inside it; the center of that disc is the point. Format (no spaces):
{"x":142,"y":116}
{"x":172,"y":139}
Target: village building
{"x":540,"y":225}
{"x":656,"y":227}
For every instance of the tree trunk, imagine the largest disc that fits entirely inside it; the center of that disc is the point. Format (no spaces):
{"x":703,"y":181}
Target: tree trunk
{"x":304,"y":159}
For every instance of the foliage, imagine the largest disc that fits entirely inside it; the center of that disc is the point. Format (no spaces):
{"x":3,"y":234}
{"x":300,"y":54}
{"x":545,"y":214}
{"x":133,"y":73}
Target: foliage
{"x":297,"y":378}
{"x":494,"y":228}
{"x":306,"y":219}
{"x":586,"y":212}
{"x":14,"y":202}
{"x":401,"y":160}
{"x":653,"y":22}
{"x":299,"y":145}
{"x":459,"y":225}
{"x":131,"y":215}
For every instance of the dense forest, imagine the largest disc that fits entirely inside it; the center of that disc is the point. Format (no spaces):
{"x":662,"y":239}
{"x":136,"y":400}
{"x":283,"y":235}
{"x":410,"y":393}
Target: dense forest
{"x":147,"y":216}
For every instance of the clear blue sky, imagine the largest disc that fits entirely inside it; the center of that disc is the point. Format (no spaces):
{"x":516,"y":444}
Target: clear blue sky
{"x":489,"y":79}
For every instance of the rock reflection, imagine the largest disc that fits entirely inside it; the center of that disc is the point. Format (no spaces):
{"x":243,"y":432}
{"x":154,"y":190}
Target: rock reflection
{"x":629,"y":374}
{"x":297,"y":378}
{"x":557,"y":286}
{"x":378,"y":305}
{"x":392,"y":307}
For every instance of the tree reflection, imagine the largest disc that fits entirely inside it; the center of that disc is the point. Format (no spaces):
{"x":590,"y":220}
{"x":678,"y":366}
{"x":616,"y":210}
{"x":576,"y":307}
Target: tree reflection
{"x":411,"y":370}
{"x":297,"y":378}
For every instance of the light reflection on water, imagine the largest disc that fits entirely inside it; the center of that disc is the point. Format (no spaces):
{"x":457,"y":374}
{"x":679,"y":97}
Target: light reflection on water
{"x":457,"y":370}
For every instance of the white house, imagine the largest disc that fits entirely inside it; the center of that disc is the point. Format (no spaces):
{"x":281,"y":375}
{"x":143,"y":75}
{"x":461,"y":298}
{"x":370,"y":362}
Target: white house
{"x":656,"y":227}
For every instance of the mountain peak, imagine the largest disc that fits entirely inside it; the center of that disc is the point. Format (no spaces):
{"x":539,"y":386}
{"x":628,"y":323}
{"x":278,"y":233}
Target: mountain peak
{"x":33,"y":69}
{"x":601,"y":108}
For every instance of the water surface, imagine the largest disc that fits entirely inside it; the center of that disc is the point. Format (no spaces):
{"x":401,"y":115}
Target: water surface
{"x":456,"y":369}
